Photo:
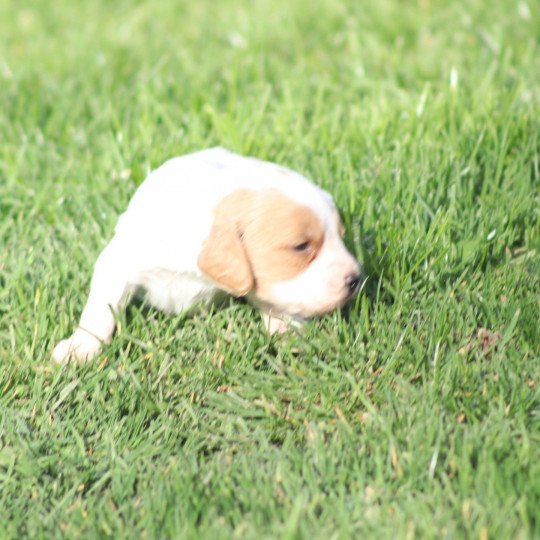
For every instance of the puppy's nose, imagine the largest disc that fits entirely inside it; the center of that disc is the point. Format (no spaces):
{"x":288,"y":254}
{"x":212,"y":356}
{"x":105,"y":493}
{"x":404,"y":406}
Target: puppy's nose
{"x":352,"y":282}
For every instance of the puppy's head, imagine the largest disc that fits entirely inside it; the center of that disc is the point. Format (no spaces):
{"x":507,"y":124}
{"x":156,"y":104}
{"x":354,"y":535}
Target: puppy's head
{"x":287,"y":256}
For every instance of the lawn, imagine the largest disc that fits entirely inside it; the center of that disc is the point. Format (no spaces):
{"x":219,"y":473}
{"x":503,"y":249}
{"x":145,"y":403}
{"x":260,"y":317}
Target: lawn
{"x":413,"y":413}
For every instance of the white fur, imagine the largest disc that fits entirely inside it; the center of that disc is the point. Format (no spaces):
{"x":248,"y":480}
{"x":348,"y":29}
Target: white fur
{"x":158,"y":239}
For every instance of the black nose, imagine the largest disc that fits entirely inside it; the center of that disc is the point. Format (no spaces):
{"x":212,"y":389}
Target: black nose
{"x":352,"y":282}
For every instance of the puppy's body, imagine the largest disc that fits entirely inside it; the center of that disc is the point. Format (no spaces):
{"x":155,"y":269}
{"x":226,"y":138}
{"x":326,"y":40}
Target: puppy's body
{"x":214,"y":222}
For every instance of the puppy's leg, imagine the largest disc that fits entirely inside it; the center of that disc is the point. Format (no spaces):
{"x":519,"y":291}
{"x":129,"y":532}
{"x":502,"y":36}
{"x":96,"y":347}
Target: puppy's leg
{"x":279,"y":324}
{"x":109,"y":291}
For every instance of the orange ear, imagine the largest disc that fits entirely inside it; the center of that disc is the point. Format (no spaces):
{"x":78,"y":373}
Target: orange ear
{"x":224,"y":260}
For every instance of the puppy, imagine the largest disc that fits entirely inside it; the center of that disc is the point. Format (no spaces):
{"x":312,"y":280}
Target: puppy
{"x":214,"y":222}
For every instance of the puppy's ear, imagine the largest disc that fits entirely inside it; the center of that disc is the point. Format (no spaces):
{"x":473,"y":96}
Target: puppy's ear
{"x":223,"y":257}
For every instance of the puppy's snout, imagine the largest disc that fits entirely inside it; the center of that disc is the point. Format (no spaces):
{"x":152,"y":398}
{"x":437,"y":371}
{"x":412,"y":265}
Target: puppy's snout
{"x":352,"y":283}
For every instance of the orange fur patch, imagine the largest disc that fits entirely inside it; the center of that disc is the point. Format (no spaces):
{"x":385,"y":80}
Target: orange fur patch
{"x":259,"y":238}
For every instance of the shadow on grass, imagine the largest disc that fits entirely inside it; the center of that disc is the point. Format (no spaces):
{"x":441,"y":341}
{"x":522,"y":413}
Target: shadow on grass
{"x":374,"y":270}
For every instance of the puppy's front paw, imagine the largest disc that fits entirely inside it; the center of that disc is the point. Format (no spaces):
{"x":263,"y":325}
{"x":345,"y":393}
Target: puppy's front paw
{"x":81,"y":346}
{"x":279,"y":324}
{"x":275,"y":325}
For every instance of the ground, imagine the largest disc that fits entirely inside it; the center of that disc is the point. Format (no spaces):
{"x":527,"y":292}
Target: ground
{"x":412,"y":413}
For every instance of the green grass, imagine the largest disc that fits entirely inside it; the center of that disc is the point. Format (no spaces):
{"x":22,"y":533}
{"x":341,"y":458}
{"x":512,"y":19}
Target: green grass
{"x":397,"y":418}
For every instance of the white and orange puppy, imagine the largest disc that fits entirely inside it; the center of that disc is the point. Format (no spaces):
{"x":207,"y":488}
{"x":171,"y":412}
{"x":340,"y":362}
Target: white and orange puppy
{"x":214,"y":222}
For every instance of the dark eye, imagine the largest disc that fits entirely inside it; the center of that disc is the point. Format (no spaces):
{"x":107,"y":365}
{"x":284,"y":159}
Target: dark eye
{"x":304,"y":246}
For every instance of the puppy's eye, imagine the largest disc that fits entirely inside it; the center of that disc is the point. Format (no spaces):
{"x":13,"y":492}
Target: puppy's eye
{"x":304,"y":246}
